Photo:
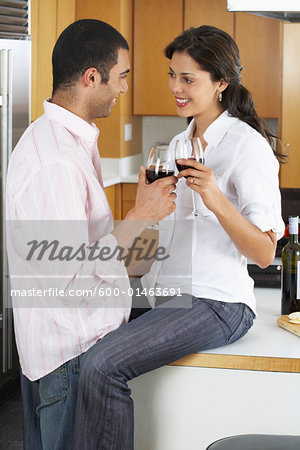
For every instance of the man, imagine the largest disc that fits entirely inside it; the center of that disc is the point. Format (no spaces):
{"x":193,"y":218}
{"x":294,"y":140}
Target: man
{"x":55,"y":175}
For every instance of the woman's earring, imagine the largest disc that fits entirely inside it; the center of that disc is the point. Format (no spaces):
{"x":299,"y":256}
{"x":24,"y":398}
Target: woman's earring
{"x":220,"y":96}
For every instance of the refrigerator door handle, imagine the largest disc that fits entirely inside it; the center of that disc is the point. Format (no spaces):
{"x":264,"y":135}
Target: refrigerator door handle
{"x":6,"y":149}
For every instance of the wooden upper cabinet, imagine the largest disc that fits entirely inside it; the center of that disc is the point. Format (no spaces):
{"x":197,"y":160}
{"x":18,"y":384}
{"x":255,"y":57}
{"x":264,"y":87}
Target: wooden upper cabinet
{"x":260,"y":43}
{"x":48,"y":19}
{"x":112,"y":144}
{"x":208,"y":12}
{"x":289,"y":173}
{"x":156,"y":24}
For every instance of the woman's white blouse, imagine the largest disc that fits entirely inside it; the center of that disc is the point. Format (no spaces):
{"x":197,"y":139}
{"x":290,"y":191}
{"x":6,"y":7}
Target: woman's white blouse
{"x":202,"y":258}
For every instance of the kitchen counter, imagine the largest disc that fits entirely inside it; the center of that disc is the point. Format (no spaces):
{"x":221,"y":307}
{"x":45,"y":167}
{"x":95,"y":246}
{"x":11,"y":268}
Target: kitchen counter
{"x":111,"y":179}
{"x":250,"y":386}
{"x":120,"y":170}
{"x":265,"y":347}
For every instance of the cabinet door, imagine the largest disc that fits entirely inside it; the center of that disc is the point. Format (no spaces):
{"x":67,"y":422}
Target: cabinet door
{"x":156,"y":24}
{"x":289,"y":173}
{"x":208,"y":12}
{"x":128,"y":197}
{"x":43,"y":31}
{"x":48,"y":19}
{"x":260,"y":43}
{"x":113,"y":194}
{"x":112,"y":143}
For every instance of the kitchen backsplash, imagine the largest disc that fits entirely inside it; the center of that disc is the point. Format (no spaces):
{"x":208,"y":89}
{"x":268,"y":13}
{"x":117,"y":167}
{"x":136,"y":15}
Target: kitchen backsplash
{"x":163,"y":128}
{"x":160,"y":129}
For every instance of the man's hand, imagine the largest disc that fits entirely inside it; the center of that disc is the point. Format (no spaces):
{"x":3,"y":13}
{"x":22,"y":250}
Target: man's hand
{"x":154,"y":201}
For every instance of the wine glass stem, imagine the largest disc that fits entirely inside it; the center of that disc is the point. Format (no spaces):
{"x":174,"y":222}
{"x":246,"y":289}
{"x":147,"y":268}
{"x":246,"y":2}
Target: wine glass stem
{"x":195,"y":211}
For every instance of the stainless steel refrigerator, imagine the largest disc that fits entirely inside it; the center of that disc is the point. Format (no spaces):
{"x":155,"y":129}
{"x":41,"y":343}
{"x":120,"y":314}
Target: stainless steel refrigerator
{"x":15,"y":70}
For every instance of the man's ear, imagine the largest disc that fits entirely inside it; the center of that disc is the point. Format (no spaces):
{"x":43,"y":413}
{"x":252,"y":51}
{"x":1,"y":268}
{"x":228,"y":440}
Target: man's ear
{"x":91,"y":76}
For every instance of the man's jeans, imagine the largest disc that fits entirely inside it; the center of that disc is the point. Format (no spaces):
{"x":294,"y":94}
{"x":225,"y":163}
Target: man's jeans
{"x":49,"y":408}
{"x":104,"y":411}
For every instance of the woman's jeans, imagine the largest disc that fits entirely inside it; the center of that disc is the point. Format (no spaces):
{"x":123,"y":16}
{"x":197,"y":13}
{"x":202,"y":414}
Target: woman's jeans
{"x":104,"y":411}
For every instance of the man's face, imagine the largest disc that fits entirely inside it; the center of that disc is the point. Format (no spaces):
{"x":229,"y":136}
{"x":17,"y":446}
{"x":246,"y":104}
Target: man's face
{"x":107,"y":93}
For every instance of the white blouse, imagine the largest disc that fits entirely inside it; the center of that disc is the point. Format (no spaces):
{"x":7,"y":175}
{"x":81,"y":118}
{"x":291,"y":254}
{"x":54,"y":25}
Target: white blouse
{"x":202,"y":258}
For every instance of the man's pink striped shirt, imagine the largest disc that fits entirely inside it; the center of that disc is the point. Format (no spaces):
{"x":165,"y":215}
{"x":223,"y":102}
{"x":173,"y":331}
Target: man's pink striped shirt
{"x":54,"y":175}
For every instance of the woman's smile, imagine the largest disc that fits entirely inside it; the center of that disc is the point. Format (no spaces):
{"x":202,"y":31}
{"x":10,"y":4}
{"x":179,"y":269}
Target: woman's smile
{"x":181,"y":102}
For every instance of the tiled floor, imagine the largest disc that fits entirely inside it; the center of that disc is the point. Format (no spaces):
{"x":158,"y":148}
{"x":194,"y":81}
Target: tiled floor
{"x":11,"y":417}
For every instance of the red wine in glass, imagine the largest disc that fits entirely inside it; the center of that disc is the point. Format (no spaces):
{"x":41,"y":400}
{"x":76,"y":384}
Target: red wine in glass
{"x":153,"y":175}
{"x":160,"y":163}
{"x":181,"y":167}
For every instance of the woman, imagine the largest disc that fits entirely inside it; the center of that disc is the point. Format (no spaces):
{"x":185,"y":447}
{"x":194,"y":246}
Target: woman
{"x":239,"y":188}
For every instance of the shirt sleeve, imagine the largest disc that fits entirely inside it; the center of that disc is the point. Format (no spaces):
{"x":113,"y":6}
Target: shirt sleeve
{"x":255,"y":179}
{"x":57,"y":246}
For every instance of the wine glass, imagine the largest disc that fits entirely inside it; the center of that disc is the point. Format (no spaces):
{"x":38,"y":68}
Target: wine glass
{"x":191,"y":150}
{"x":159,"y":163}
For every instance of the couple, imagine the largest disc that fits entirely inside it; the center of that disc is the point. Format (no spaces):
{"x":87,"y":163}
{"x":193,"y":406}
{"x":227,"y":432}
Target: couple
{"x":78,"y":356}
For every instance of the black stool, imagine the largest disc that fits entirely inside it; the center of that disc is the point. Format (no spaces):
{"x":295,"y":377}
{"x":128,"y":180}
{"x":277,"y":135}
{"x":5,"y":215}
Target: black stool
{"x":257,"y":442}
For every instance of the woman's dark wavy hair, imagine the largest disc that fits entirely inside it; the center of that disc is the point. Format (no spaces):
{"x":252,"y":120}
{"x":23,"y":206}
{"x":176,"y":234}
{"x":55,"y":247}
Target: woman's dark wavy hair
{"x":217,"y":53}
{"x":83,"y":44}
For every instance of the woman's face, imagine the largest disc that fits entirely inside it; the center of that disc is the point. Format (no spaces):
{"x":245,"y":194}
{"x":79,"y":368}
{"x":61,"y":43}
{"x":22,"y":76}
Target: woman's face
{"x":194,"y":91}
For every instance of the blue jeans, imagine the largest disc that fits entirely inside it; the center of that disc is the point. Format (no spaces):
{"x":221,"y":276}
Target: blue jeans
{"x":104,"y":411}
{"x":49,"y":408}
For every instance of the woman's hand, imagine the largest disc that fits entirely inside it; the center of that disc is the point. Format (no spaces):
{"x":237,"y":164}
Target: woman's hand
{"x":201,"y":179}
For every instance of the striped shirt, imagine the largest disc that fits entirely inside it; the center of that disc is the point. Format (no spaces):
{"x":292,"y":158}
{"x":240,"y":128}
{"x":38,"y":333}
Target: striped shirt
{"x":62,"y":305}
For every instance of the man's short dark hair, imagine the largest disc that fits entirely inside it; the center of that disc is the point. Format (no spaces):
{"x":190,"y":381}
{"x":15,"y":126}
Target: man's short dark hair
{"x":83,"y":44}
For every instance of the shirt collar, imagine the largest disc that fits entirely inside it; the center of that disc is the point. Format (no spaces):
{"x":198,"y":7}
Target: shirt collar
{"x":216,"y":130}
{"x":71,"y":122}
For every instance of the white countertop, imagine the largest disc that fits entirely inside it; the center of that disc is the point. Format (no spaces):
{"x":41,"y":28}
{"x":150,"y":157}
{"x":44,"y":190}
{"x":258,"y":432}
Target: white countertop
{"x":265,"y":338}
{"x":120,"y":170}
{"x":111,"y":179}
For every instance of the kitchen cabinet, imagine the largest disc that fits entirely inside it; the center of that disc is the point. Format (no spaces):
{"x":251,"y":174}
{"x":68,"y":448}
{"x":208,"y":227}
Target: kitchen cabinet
{"x":112,"y":144}
{"x":48,"y":19}
{"x":113,"y":194}
{"x":290,"y":130}
{"x":156,"y":23}
{"x":128,"y":197}
{"x":212,"y":12}
{"x":121,"y":198}
{"x":260,"y":43}
{"x":258,"y":38}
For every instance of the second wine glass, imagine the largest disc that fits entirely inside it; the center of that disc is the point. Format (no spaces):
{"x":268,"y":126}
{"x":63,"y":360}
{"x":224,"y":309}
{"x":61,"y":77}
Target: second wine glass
{"x":191,"y":150}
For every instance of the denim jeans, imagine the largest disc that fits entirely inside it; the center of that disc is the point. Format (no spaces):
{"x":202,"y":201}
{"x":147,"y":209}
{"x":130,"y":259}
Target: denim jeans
{"x":104,"y":411}
{"x":49,"y":408}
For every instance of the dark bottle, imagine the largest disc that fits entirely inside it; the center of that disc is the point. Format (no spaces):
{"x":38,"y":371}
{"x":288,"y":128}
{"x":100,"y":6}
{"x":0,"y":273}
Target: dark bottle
{"x":290,"y":283}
